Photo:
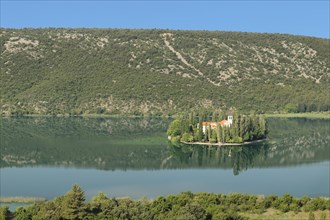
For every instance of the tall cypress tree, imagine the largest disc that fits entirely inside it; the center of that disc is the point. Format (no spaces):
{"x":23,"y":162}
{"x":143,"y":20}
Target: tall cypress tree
{"x":218,"y":133}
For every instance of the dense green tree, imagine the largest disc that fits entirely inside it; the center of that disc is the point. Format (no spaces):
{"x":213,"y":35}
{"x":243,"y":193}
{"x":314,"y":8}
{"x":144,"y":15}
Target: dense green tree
{"x":4,"y":213}
{"x":213,"y":136}
{"x":23,"y":214}
{"x":74,"y":203}
{"x":174,"y":128}
{"x":291,"y":108}
{"x":187,"y":137}
{"x":198,"y":134}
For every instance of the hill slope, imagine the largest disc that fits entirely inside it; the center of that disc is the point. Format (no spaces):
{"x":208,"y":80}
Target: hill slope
{"x":51,"y":71}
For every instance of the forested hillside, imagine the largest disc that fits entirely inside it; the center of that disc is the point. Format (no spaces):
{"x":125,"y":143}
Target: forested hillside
{"x":160,"y":72}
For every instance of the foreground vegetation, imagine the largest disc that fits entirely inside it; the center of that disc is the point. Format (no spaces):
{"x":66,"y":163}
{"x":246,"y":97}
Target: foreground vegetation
{"x":185,"y":205}
{"x":189,"y":128}
{"x":159,"y":72}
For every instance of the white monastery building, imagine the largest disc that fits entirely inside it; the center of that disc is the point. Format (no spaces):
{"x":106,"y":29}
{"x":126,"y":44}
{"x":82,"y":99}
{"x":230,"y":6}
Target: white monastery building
{"x":223,"y":123}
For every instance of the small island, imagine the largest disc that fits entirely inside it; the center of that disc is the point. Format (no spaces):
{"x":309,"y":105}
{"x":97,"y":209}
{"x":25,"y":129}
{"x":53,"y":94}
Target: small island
{"x":216,"y":128}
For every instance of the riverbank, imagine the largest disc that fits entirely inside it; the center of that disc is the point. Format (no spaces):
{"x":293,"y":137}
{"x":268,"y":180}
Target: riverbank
{"x":224,"y":144}
{"x":86,"y":116}
{"x":321,"y":115}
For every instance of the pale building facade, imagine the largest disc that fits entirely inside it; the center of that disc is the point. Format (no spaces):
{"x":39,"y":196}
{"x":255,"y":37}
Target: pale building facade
{"x":213,"y":125}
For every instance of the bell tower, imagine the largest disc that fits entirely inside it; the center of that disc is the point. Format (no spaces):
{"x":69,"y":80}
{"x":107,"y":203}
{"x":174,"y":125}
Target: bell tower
{"x":230,"y":118}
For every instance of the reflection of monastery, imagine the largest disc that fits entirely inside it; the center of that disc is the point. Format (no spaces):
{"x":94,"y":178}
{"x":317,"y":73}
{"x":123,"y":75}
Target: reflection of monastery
{"x":213,"y":125}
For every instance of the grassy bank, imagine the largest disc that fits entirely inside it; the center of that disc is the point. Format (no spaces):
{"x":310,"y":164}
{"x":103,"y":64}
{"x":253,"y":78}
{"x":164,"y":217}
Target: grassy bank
{"x":19,"y":199}
{"x":325,"y":115}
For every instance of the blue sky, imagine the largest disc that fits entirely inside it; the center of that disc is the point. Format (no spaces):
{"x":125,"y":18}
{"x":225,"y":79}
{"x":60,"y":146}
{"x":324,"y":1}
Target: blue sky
{"x":309,"y":18}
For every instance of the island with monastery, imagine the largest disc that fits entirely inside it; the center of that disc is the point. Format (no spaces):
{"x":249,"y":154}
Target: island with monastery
{"x":217,"y":128}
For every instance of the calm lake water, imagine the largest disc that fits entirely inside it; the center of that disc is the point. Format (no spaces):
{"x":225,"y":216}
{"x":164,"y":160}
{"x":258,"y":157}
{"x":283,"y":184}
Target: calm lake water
{"x":43,"y":157}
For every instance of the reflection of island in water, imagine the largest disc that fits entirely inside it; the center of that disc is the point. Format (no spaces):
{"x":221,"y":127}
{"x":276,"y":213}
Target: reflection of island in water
{"x":237,"y":158}
{"x":140,"y":143}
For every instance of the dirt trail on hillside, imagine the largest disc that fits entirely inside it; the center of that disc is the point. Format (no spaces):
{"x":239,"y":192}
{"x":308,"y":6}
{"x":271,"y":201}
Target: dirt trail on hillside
{"x":183,"y":60}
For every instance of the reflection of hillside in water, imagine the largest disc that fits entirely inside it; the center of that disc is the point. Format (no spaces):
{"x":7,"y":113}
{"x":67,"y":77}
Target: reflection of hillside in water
{"x":140,"y":143}
{"x":106,"y":143}
{"x":28,"y":127}
{"x":295,"y":141}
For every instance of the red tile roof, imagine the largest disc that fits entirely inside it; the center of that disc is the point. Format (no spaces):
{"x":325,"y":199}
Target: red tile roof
{"x":214,"y":124}
{"x":224,"y":122}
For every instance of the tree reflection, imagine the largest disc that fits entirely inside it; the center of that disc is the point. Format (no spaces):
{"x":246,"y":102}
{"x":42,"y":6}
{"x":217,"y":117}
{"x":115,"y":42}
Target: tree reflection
{"x":238,"y":158}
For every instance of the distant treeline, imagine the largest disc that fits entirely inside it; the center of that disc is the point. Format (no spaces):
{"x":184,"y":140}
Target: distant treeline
{"x":306,"y":107}
{"x":188,"y":127}
{"x":186,"y":205}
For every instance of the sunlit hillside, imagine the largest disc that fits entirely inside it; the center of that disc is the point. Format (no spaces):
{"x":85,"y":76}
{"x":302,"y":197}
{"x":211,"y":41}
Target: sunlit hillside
{"x":121,"y":71}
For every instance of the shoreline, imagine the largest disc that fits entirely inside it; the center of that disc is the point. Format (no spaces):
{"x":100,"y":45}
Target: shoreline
{"x":84,"y":116}
{"x":320,"y":115}
{"x":224,"y":144}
